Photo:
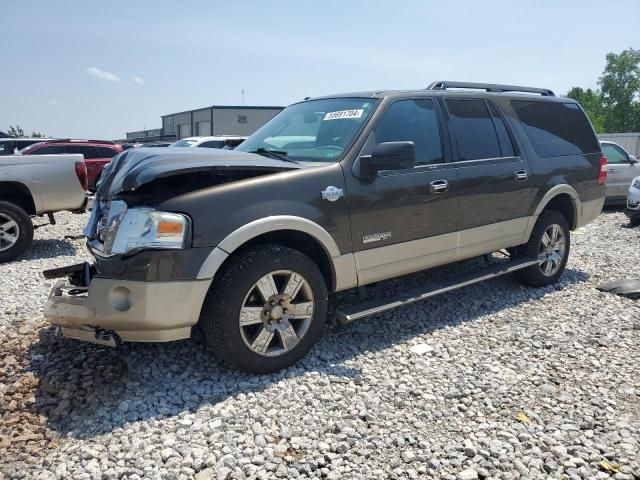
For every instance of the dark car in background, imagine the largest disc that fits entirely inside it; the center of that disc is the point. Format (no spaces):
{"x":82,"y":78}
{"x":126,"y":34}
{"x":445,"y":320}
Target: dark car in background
{"x":97,"y":153}
{"x":9,"y":145}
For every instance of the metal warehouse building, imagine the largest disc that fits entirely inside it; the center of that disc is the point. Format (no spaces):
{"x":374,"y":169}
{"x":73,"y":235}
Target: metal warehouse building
{"x":213,"y":120}
{"x":217,"y":120}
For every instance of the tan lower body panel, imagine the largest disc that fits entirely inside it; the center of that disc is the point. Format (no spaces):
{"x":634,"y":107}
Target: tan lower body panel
{"x":590,"y":210}
{"x":344,"y":267}
{"x":408,"y":257}
{"x":136,"y":311}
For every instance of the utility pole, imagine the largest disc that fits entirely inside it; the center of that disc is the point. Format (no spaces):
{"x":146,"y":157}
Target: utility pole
{"x":243,"y":96}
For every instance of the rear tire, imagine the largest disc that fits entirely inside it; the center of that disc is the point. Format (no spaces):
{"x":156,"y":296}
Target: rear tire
{"x":550,"y":242}
{"x":266,"y":309}
{"x":16,"y":231}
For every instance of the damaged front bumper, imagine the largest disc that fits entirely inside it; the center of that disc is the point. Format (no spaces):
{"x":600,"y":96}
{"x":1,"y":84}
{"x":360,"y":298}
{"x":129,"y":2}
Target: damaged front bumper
{"x":107,"y":311}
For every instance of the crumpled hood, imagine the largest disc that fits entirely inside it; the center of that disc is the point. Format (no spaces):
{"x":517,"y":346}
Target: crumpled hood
{"x":133,"y":168}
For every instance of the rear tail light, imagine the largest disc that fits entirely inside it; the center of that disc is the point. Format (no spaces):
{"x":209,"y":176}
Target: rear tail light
{"x":81,"y":173}
{"x":602,"y":176}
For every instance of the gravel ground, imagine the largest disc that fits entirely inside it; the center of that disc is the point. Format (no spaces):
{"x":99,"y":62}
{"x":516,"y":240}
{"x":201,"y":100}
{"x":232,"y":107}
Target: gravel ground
{"x":493,"y":381}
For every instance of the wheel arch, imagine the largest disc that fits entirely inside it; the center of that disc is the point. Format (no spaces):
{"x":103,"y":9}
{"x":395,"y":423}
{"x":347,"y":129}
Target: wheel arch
{"x":294,"y":232}
{"x":565,"y":199}
{"x":19,"y":194}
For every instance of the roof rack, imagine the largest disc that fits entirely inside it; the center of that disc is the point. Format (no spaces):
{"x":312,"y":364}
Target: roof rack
{"x":489,"y":87}
{"x":81,"y":140}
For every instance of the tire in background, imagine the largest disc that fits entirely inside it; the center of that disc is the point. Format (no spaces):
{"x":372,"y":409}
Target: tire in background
{"x":14,"y":221}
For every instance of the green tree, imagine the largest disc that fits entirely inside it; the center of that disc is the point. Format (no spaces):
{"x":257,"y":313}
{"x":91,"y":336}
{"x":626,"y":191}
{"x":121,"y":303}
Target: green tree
{"x":37,"y":135}
{"x":591,"y":101}
{"x":620,"y":90}
{"x":16,"y":131}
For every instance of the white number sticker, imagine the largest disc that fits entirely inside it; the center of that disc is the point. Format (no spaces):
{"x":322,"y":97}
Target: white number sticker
{"x":357,"y":113}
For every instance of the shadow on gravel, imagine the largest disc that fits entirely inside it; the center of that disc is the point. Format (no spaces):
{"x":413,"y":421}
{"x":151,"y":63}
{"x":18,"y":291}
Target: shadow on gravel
{"x":607,"y":209}
{"x":49,"y":248}
{"x":86,"y":390}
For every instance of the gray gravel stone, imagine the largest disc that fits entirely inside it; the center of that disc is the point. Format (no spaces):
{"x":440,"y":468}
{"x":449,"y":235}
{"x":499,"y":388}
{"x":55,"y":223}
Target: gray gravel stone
{"x":361,"y":405}
{"x":468,"y":474}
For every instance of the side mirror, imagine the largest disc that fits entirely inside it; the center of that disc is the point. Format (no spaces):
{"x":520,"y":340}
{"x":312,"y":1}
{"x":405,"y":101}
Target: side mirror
{"x":388,"y":156}
{"x":633,"y":159}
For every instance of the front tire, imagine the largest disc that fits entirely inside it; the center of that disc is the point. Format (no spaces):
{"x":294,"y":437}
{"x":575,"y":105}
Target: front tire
{"x":16,"y":231}
{"x":550,"y":243}
{"x":266,"y":310}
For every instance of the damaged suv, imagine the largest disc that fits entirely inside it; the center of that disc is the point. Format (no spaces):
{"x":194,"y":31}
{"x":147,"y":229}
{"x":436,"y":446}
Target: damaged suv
{"x":333,"y":193}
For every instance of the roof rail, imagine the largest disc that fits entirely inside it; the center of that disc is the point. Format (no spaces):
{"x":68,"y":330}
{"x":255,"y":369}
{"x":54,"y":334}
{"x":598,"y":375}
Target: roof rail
{"x":489,"y":87}
{"x":80,"y":140}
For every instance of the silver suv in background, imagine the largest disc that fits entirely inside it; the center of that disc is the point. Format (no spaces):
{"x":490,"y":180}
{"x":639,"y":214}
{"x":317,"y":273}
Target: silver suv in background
{"x":622,"y":170}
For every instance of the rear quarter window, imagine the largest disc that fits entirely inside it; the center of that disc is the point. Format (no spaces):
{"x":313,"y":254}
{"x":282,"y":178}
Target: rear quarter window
{"x":106,"y":152}
{"x":556,"y":129}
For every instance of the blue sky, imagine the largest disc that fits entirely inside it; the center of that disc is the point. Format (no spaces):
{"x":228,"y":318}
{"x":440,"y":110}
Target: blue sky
{"x":100,"y":68}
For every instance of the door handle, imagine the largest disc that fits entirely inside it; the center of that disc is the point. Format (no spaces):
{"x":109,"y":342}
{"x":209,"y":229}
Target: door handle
{"x":611,"y":170}
{"x":521,"y":175}
{"x":439,"y":186}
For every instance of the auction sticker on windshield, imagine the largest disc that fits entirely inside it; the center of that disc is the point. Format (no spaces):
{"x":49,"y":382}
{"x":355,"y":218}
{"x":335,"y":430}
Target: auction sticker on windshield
{"x":357,"y":113}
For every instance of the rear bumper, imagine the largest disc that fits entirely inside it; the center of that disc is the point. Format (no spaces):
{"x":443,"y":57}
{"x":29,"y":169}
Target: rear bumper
{"x":130,"y":311}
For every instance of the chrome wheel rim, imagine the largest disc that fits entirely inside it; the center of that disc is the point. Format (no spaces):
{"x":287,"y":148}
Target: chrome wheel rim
{"x":9,"y":232}
{"x":552,"y":249}
{"x":276,"y":313}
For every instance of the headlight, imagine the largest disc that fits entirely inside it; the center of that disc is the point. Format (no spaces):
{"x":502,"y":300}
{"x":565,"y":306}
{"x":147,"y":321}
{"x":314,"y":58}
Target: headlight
{"x":127,"y":230}
{"x":636,"y":183}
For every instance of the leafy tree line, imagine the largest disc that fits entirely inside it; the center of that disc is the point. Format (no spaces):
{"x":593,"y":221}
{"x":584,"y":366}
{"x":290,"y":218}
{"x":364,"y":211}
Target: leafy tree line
{"x":615,"y":106}
{"x":18,"y":132}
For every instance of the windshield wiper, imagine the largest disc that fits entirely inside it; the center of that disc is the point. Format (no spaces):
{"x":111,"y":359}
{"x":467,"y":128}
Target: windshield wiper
{"x":278,"y":154}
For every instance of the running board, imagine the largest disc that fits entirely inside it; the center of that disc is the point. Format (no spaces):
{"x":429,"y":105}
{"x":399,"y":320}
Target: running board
{"x":408,"y":297}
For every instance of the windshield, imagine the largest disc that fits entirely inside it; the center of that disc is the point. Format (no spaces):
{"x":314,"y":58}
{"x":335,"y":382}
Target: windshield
{"x":183,"y":143}
{"x":314,"y":131}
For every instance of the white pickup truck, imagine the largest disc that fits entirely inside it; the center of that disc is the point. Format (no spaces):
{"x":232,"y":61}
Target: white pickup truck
{"x":33,"y":185}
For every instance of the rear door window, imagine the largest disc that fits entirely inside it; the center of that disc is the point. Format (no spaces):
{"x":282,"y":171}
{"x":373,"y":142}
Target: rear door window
{"x":88,"y":151}
{"x":473,"y":130}
{"x":506,"y":145}
{"x":556,"y":129}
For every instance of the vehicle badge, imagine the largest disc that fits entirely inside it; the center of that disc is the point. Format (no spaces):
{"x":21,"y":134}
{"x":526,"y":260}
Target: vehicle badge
{"x":332,"y":193}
